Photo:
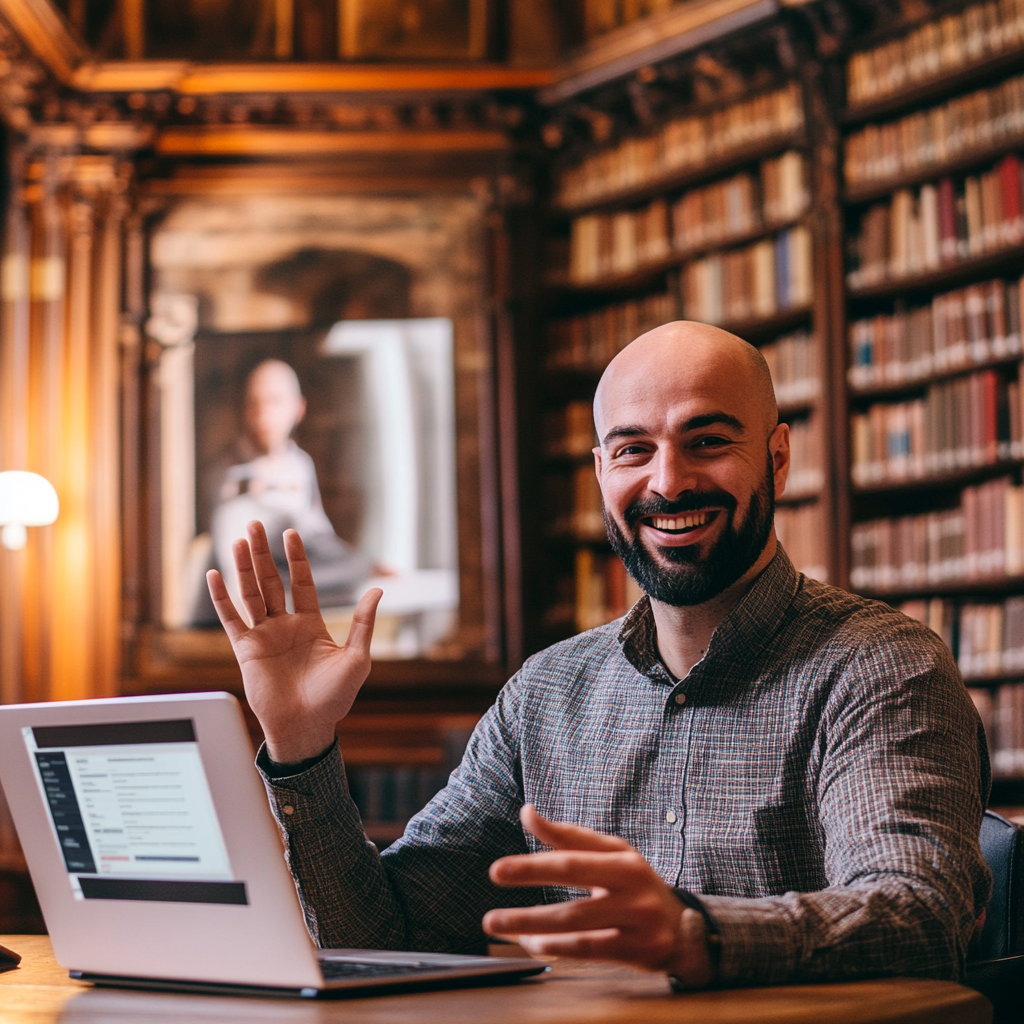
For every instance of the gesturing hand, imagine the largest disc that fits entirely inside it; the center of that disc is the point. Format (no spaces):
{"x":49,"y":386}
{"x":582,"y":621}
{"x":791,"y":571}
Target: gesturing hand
{"x":631,"y":916}
{"x":297,"y":680}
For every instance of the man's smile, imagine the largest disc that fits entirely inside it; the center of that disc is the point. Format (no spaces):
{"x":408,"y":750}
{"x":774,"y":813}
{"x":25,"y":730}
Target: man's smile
{"x":683,"y":524}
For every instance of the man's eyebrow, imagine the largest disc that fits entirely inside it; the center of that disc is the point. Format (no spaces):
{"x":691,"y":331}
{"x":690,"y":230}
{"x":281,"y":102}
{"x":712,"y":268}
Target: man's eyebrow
{"x":710,"y":418}
{"x":617,"y":432}
{"x":693,"y":423}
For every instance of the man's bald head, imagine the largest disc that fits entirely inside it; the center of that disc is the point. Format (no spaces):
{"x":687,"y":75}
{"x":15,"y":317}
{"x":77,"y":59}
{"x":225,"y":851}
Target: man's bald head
{"x":686,"y":349}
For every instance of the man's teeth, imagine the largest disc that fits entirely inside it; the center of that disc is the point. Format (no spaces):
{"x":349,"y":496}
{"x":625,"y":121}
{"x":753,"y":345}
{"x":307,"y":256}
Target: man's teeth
{"x":686,"y":522}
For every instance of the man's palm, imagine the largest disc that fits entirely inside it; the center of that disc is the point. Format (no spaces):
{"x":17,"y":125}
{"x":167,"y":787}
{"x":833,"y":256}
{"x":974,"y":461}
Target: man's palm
{"x":298,"y":681}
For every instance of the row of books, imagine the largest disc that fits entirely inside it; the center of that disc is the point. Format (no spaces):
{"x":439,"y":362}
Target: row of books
{"x":983,"y":537}
{"x":938,"y":225}
{"x":568,"y":430}
{"x":806,"y":457}
{"x":987,"y":639}
{"x":990,"y":638}
{"x":611,"y":244}
{"x":939,"y":47}
{"x":967,"y":421}
{"x":1002,"y":715}
{"x":604,"y":590}
{"x":573,"y":506}
{"x":755,"y":281}
{"x":793,"y":363}
{"x":966,"y":327}
{"x":802,"y":531}
{"x":741,"y":204}
{"x":933,"y":137}
{"x":682,"y":144}
{"x":591,"y":340}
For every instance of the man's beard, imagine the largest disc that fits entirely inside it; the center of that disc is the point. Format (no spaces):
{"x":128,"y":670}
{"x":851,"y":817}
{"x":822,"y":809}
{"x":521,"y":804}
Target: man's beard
{"x":691,"y":580}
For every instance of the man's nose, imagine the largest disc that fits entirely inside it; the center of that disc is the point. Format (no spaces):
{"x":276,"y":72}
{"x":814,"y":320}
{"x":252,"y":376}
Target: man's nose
{"x":672,"y":473}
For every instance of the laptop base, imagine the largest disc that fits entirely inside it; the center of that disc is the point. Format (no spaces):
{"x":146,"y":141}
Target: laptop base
{"x":346,"y":991}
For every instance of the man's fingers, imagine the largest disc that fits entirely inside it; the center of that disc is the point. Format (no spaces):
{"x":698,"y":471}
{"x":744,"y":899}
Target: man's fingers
{"x":303,"y":588}
{"x":567,"y":837}
{"x":553,"y":918}
{"x":360,"y":633}
{"x":248,"y":587}
{"x":579,"y":869}
{"x":605,"y":944}
{"x":267,"y":576}
{"x":232,"y":622}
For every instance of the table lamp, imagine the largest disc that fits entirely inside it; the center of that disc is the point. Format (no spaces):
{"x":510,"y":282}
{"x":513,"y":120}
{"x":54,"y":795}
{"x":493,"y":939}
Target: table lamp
{"x":26,"y":499}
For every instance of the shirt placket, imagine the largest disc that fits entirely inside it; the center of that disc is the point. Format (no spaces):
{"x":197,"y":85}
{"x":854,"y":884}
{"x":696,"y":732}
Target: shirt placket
{"x":670,"y":775}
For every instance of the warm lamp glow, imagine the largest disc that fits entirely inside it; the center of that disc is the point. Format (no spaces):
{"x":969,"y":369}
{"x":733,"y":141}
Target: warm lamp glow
{"x":26,"y":499}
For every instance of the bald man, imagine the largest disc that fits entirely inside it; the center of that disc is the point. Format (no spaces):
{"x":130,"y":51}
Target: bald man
{"x":751,"y":778}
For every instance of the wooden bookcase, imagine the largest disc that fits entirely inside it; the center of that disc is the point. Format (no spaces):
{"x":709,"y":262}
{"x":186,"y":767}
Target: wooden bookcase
{"x":577,"y":590}
{"x":591,"y":313}
{"x":945,"y":472}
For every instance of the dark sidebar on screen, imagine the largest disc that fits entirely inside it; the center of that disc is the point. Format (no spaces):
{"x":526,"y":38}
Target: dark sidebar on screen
{"x":67,"y":816}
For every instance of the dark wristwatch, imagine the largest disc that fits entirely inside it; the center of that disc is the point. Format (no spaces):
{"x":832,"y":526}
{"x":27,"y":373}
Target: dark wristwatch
{"x":713,"y":937}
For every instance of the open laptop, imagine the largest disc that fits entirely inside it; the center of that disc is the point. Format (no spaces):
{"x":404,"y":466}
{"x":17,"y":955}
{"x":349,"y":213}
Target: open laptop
{"x":158,"y":864}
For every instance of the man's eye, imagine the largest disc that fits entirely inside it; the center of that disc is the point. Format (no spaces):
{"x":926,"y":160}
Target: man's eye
{"x":711,"y":442}
{"x":631,"y":449}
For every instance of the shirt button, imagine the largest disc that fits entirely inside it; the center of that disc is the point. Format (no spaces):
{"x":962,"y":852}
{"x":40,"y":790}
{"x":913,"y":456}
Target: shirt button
{"x":670,"y":817}
{"x":680,"y":698}
{"x":288,"y":809}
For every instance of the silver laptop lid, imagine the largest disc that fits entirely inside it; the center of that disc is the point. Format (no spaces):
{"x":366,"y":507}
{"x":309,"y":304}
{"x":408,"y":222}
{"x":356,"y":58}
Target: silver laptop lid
{"x":150,"y":842}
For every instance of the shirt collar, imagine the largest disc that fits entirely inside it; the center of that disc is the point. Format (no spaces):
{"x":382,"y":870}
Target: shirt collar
{"x":748,"y":625}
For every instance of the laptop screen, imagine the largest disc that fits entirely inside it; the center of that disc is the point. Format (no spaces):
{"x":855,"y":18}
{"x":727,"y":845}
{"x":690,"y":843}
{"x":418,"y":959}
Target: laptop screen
{"x":131,"y":809}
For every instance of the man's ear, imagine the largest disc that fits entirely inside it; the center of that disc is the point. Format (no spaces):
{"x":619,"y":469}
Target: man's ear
{"x":778,"y":446}
{"x":301,"y":415}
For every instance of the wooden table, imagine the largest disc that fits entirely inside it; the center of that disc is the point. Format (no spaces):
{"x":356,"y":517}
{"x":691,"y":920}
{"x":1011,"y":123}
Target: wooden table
{"x":40,"y":992}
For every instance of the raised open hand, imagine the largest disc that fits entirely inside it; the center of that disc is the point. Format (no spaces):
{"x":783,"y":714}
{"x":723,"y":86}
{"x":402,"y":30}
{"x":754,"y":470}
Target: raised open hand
{"x":298,"y":681}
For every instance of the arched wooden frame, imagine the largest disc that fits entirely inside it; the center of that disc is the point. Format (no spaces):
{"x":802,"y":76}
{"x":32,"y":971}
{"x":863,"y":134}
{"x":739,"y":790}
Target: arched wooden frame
{"x":157,"y":658}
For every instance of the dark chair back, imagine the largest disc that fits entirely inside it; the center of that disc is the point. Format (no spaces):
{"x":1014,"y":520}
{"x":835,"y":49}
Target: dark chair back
{"x":1002,"y":846}
{"x":998,"y":971}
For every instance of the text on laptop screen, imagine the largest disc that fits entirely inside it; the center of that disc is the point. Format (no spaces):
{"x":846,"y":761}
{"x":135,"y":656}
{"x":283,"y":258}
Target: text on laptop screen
{"x":132,"y":811}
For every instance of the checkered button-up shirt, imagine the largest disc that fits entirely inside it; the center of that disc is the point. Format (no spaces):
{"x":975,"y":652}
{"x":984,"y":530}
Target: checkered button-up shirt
{"x":818,"y":779}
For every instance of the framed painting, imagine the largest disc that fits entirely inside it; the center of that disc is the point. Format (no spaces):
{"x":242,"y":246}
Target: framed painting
{"x":319,"y":364}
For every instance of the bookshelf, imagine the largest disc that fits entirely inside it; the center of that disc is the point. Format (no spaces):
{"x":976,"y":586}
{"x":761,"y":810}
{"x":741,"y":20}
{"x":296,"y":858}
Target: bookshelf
{"x":706,"y":214}
{"x":932,"y":193}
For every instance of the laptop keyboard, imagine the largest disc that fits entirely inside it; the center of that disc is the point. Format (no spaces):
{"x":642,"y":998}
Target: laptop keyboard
{"x":338,"y":970}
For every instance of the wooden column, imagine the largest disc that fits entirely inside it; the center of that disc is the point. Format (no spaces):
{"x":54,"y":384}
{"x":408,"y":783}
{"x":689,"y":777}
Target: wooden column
{"x":105,"y":426}
{"x":829,"y":318}
{"x":14,"y":380}
{"x":59,"y":383}
{"x":73,"y":613}
{"x":47,"y":283}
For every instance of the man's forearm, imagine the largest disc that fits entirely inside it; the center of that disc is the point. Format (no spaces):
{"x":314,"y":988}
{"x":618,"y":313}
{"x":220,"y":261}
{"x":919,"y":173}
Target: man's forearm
{"x":888,"y":926}
{"x":345,"y":893}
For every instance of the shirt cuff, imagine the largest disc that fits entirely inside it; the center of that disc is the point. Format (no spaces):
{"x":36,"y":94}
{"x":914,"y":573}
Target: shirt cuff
{"x":311,"y":796}
{"x":758,"y":946}
{"x":275,"y":770}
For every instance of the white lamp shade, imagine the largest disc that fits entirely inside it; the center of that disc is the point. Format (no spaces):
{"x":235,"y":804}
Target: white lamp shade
{"x":27,"y":499}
